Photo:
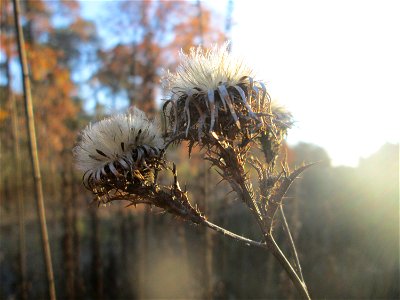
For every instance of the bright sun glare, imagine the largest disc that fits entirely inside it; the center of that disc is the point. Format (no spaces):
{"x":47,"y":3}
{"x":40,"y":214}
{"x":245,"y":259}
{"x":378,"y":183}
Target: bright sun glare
{"x":335,"y":65}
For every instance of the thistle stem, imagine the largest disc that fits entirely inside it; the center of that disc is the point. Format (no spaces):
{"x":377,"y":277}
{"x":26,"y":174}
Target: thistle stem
{"x":247,"y":194}
{"x":292,"y":245}
{"x":271,"y":246}
{"x":234,"y":236}
{"x":277,"y":252}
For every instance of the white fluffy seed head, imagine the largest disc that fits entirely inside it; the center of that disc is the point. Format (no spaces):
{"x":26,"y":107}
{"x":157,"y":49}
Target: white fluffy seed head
{"x":209,"y":71}
{"x":115,"y":138}
{"x":205,"y":70}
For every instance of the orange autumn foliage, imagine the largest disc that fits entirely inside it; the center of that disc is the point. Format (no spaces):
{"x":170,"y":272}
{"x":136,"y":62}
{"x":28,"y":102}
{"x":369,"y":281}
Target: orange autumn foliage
{"x":153,"y":34}
{"x":53,"y":89}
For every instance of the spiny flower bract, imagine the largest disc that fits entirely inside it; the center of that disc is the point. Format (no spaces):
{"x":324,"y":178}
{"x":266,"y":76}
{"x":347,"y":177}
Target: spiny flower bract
{"x":214,"y":91}
{"x":117,"y":144}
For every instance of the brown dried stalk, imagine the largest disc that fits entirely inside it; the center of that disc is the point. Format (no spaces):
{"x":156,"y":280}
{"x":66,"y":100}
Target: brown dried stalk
{"x":227,"y":117}
{"x":139,"y":186}
{"x":173,"y":200}
{"x":227,"y":149}
{"x":33,"y":151}
{"x":229,"y":159}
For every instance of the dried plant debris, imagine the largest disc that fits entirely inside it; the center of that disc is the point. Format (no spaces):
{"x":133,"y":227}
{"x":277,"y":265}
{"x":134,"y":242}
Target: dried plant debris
{"x":169,"y":198}
{"x":214,"y":91}
{"x":118,"y":153}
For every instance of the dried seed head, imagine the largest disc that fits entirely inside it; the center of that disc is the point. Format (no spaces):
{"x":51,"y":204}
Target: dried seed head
{"x":204,"y":70}
{"x":213,"y":91}
{"x":122,"y":147}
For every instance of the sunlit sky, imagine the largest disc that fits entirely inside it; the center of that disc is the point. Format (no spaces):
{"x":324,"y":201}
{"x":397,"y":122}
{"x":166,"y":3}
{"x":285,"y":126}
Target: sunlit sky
{"x":334,"y":64}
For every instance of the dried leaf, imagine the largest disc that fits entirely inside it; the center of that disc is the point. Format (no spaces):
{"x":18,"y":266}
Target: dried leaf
{"x":225,"y":95}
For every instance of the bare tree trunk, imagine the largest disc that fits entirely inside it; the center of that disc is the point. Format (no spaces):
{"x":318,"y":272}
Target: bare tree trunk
{"x":146,"y":96}
{"x":68,"y":238}
{"x":143,"y":252}
{"x":146,"y":102}
{"x":123,"y":257}
{"x":20,"y":198}
{"x":79,"y":284}
{"x":208,"y":242}
{"x":209,"y":239}
{"x":200,"y":17}
{"x":224,"y":254}
{"x":33,"y":152}
{"x":23,"y":288}
{"x":183,"y":247}
{"x":270,"y":283}
{"x":97,"y":266}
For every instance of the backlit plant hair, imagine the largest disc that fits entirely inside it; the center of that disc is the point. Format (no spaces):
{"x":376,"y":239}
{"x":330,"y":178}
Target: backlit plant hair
{"x":121,"y":157}
{"x":118,"y":152}
{"x":215,"y":102}
{"x":213,"y":91}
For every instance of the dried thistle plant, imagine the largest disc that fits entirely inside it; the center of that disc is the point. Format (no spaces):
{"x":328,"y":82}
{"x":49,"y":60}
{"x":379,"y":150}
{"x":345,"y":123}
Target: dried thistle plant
{"x":121,"y":157}
{"x":215,"y":92}
{"x":215,"y":102}
{"x":119,"y":153}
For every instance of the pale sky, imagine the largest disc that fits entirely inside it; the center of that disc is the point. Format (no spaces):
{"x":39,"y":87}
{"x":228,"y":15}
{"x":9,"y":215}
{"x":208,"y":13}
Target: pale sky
{"x":334,"y":64}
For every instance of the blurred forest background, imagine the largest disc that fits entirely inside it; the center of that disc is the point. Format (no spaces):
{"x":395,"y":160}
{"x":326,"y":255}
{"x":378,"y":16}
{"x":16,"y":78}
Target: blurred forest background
{"x":345,"y":220}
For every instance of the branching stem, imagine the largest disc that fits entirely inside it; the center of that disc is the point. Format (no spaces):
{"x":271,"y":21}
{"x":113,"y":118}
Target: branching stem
{"x":234,"y":236}
{"x":292,"y":245}
{"x":235,"y":167}
{"x":277,"y":252}
{"x":269,"y":245}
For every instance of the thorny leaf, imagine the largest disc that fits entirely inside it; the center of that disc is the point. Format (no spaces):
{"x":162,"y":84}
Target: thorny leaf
{"x":275,"y":200}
